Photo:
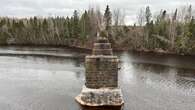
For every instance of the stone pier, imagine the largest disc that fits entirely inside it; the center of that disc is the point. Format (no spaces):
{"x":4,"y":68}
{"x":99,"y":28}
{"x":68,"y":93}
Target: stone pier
{"x":101,"y":87}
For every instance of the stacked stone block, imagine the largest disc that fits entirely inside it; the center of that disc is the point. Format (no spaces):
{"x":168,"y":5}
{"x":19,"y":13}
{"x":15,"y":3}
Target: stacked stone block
{"x":101,"y":66}
{"x":101,"y":71}
{"x":101,"y":86}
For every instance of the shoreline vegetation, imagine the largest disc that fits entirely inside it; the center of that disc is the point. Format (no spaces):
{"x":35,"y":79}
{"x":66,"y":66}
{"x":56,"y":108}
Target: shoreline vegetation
{"x":89,"y":50}
{"x":163,"y":32}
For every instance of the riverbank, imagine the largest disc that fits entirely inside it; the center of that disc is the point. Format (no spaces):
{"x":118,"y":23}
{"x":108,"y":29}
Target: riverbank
{"x":84,"y":49}
{"x":42,"y":51}
{"x":63,"y":52}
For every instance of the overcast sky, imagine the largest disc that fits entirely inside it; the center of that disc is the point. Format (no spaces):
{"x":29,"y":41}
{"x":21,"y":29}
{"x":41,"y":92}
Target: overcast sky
{"x":26,"y":8}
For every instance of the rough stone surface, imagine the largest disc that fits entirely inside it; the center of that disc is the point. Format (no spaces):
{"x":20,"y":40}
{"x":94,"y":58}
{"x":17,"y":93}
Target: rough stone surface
{"x":100,"y":97}
{"x":101,"y":71}
{"x":101,"y":86}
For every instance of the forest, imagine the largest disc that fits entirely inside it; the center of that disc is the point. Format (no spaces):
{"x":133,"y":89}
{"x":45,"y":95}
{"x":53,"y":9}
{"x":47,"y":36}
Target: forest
{"x":165,"y":32}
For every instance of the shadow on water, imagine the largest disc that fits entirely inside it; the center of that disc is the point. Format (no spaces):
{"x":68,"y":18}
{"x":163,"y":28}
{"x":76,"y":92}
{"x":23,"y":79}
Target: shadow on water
{"x":101,"y":108}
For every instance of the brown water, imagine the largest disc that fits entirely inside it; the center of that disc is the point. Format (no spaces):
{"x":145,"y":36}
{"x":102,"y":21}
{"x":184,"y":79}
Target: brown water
{"x":148,"y":81}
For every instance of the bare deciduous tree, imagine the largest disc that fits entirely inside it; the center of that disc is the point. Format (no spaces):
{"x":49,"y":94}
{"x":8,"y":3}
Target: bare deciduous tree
{"x":141,"y":17}
{"x":118,"y":17}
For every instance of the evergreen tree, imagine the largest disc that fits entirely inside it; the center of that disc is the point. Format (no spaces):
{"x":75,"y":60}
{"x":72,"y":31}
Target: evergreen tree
{"x":76,"y":28}
{"x":108,"y":20}
{"x":148,"y":29}
{"x":66,"y":28}
{"x":192,"y":27}
{"x":188,"y":15}
{"x":164,"y":15}
{"x":175,"y":16}
{"x":85,"y":25}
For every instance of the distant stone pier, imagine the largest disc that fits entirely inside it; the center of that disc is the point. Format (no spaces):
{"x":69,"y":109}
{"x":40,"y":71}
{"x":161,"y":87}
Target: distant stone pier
{"x":101,"y":87}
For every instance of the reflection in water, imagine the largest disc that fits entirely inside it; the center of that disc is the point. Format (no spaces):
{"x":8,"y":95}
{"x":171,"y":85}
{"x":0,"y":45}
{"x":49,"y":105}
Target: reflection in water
{"x":78,"y":74}
{"x":126,"y":68}
{"x":49,"y":83}
{"x":169,"y":76}
{"x":78,"y":63}
{"x":155,"y":73}
{"x":156,"y":86}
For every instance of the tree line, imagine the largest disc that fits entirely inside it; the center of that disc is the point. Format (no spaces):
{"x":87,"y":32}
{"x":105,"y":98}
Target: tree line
{"x":173,"y":32}
{"x":164,"y":31}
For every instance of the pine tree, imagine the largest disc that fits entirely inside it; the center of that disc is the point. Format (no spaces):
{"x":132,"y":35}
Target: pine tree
{"x":148,"y":29}
{"x":192,"y":27}
{"x":175,"y":16}
{"x":76,"y":28}
{"x":66,"y":28}
{"x":188,"y":15}
{"x":108,"y":20}
{"x":164,"y":15}
{"x":85,"y":25}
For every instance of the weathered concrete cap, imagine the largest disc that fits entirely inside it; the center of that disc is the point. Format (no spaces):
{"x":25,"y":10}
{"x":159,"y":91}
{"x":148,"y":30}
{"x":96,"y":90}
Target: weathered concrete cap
{"x":100,"y":97}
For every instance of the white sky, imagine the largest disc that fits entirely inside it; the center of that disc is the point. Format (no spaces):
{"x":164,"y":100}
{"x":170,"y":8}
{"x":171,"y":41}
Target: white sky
{"x":26,"y":8}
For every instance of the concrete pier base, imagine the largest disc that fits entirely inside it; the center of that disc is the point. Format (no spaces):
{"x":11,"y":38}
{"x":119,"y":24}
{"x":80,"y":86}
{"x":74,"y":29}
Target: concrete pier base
{"x":100,"y":97}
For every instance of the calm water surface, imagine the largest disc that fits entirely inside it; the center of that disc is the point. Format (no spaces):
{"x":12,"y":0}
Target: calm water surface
{"x":148,"y":81}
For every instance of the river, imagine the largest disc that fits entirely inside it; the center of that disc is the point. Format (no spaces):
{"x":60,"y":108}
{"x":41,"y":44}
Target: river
{"x":50,"y":78}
